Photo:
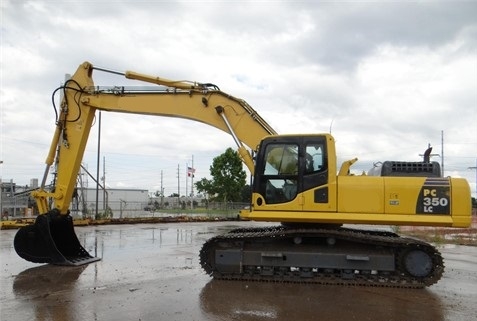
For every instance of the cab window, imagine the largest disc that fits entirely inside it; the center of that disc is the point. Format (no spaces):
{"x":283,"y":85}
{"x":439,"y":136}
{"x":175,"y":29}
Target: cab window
{"x":314,"y":158}
{"x":280,"y":173}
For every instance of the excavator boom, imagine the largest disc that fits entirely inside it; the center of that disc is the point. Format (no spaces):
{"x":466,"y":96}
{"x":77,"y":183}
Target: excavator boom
{"x":189,"y":100}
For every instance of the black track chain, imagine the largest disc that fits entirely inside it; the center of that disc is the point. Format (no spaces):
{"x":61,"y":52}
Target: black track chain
{"x":400,"y":245}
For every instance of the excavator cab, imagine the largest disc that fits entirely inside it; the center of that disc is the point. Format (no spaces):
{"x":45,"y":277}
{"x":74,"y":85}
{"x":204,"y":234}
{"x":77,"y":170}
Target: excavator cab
{"x":51,"y":239}
{"x":289,"y":165}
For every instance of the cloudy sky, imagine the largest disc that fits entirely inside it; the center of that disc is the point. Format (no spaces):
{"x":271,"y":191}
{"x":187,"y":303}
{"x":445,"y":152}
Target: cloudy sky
{"x":387,"y":78}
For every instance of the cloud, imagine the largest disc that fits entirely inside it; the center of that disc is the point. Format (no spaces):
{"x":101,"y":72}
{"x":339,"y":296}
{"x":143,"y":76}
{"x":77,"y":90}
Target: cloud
{"x":385,"y":77}
{"x":346,"y":33}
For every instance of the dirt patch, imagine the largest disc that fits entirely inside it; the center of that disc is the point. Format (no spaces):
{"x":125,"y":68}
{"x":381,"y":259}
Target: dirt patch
{"x":443,"y":235}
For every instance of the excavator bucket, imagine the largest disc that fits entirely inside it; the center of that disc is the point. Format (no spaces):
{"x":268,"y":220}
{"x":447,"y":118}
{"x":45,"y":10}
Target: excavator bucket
{"x":51,"y":239}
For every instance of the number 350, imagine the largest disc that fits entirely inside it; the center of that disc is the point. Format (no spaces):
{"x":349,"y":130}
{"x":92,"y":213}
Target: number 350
{"x":435,"y":201}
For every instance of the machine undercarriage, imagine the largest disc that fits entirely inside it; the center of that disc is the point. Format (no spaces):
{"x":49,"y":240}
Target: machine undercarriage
{"x":320,"y":255}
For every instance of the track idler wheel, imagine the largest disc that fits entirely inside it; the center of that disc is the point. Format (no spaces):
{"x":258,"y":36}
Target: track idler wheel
{"x":418,"y":263}
{"x":51,"y":239}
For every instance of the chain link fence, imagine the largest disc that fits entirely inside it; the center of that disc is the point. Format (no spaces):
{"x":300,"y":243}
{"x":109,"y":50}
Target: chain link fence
{"x":129,"y":209}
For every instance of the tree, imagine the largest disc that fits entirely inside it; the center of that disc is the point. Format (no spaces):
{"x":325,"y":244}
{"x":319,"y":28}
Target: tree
{"x":205,"y":186}
{"x":228,"y":178}
{"x":246,"y":195}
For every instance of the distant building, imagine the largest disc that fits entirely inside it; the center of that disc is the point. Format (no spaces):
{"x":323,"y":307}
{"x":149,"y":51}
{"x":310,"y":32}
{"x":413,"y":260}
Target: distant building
{"x":15,"y":199}
{"x":16,"y":202}
{"x":120,"y":202}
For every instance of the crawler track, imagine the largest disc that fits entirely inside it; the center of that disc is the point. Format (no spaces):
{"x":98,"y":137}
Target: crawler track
{"x":325,"y":256}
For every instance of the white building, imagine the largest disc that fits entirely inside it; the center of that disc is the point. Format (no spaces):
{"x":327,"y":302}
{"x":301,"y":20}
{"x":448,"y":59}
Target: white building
{"x":121,"y":202}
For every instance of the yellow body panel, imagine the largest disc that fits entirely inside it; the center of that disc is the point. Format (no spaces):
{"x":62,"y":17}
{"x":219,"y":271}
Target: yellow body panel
{"x":310,"y":206}
{"x":374,"y":200}
{"x":352,"y":218}
{"x":360,"y":194}
{"x":461,"y":207}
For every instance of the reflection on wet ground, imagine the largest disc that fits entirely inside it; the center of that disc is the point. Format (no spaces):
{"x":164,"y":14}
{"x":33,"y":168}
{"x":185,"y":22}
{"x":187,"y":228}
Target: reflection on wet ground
{"x":152,"y":272}
{"x":36,"y":284}
{"x":271,"y":301}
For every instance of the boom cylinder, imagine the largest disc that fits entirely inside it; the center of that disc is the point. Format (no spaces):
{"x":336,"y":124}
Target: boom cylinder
{"x":244,"y":154}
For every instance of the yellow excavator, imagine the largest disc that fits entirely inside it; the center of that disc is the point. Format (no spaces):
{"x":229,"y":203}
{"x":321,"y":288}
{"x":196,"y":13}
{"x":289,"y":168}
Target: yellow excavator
{"x":296,"y":181}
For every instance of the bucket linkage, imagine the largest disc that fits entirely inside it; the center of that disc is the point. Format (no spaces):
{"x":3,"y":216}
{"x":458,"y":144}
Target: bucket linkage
{"x":51,"y":239}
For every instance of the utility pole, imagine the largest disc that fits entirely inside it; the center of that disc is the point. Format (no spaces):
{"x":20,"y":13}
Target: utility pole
{"x":192,"y":185}
{"x":1,"y":192}
{"x":104,"y":184}
{"x":162,"y":193}
{"x":98,"y":158}
{"x":178,"y":187}
{"x":475,"y":168}
{"x":442,"y":152}
{"x":186,"y":181}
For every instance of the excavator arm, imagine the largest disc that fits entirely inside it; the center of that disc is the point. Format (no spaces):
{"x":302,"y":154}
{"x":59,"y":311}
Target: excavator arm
{"x":81,"y":99}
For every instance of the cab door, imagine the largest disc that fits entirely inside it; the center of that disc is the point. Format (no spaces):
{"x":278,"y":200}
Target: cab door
{"x":317,"y":189}
{"x":292,"y":174}
{"x":276,"y":183}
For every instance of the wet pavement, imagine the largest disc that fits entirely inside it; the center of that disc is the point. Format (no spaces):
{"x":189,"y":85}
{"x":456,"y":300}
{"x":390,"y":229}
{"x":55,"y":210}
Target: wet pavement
{"x":152,"y":272}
